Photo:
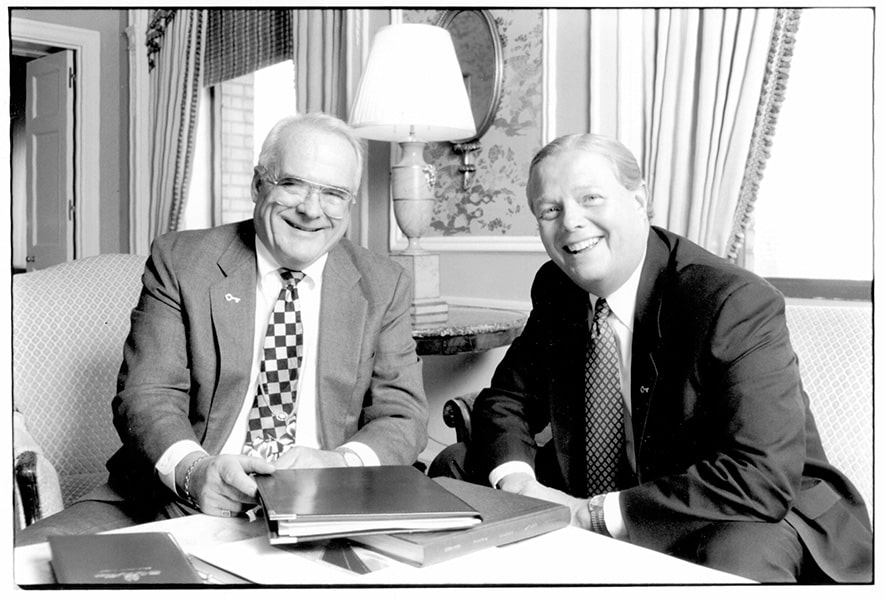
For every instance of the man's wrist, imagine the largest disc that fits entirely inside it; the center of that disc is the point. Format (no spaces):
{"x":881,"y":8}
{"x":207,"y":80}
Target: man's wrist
{"x":597,"y":515}
{"x":187,"y":485}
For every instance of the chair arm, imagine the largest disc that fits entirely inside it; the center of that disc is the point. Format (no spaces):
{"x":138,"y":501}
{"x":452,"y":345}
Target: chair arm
{"x":25,"y":468}
{"x":456,"y":414}
{"x":37,"y":488}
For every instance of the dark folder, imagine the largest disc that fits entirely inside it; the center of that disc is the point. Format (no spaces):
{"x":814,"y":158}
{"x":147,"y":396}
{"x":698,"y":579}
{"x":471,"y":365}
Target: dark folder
{"x":312,"y":504}
{"x":121,"y":559}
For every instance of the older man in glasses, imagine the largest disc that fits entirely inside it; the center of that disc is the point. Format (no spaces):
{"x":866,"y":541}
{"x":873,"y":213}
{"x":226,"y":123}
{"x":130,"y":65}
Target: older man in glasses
{"x":270,"y":343}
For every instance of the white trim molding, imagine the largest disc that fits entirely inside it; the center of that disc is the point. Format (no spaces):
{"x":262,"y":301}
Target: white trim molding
{"x":472,"y":243}
{"x":357,"y":56}
{"x":86,"y":45}
{"x":548,"y":81}
{"x":139,"y":132}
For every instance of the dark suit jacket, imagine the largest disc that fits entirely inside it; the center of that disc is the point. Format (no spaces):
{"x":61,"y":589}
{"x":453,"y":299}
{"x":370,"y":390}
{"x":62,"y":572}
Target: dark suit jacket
{"x":188,"y":356}
{"x":723,"y":430}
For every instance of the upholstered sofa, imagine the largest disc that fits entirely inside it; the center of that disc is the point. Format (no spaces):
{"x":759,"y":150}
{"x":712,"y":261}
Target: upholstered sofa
{"x":70,"y":322}
{"x":834,"y":342}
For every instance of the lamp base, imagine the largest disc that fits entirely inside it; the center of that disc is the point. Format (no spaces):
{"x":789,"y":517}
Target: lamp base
{"x":427,"y":307}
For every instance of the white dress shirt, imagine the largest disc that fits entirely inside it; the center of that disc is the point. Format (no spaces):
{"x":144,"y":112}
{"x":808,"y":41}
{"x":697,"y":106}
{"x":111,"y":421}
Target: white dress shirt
{"x":306,"y":433}
{"x":622,"y":304}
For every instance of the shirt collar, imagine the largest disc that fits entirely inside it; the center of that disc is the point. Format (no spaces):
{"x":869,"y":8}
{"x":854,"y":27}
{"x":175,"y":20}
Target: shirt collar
{"x":622,"y":302}
{"x":267,"y":264}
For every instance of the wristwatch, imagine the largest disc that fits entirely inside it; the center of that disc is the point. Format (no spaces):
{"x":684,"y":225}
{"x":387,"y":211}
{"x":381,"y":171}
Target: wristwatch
{"x":351,"y":458}
{"x":597,"y":515}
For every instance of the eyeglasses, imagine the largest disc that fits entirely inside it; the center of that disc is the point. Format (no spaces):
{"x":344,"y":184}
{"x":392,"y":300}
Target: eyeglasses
{"x":335,"y":201}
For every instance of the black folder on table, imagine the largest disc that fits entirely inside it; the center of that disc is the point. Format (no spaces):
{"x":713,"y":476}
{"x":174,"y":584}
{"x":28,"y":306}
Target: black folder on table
{"x":121,"y":559}
{"x":302,"y":505}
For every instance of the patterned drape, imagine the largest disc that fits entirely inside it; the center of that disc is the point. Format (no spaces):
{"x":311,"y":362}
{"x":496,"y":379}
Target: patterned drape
{"x":688,"y":83}
{"x":175,"y":40}
{"x":780,"y":54}
{"x":239,"y":42}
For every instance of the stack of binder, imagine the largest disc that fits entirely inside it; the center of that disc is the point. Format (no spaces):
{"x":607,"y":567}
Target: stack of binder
{"x":304,"y":505}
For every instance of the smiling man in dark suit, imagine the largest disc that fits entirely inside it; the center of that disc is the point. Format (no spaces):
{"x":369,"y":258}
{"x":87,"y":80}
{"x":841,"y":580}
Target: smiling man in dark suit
{"x":270,"y":343}
{"x":672,"y":392}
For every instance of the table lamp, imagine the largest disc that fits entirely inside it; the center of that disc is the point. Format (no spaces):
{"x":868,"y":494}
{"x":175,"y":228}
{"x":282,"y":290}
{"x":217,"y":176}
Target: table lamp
{"x":412,"y":92}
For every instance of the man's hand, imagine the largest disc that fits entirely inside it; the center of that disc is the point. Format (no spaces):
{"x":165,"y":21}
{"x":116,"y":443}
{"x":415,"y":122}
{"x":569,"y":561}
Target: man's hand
{"x":301,"y":457}
{"x":526,"y":485}
{"x":221,"y":485}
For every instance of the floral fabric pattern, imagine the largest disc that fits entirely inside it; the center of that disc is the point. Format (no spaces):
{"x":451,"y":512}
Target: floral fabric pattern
{"x":494,"y":203}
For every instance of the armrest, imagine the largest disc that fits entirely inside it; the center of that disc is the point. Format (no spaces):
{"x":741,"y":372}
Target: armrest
{"x":37,"y":489}
{"x":456,"y":414}
{"x":25,"y":469}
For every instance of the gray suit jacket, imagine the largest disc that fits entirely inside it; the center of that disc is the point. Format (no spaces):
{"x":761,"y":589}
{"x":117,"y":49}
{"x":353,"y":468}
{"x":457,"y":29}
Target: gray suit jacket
{"x":187,"y":359}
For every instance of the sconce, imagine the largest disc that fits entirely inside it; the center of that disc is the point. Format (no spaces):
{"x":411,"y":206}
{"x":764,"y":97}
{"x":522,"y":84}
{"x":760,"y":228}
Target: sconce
{"x":467,"y":168}
{"x":481,"y":56}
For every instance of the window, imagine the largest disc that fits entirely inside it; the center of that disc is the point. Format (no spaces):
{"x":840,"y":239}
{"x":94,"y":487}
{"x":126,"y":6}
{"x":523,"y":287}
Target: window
{"x":250,"y":84}
{"x":813,"y":216}
{"x":235,"y":116}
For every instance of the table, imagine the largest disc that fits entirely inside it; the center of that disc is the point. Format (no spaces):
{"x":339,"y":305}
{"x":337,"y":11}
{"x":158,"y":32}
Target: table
{"x":469,"y":329}
{"x":557,"y":558}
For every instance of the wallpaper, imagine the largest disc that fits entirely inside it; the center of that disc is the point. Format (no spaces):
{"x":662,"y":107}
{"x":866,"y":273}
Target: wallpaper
{"x":494,"y":203}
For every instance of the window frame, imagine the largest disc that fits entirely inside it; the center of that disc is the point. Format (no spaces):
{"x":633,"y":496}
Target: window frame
{"x":826,"y":289}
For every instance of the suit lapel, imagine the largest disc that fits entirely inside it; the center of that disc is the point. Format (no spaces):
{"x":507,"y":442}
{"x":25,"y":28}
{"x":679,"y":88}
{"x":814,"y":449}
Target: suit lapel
{"x":232,"y":305}
{"x":342,"y":327}
{"x":647,"y":338}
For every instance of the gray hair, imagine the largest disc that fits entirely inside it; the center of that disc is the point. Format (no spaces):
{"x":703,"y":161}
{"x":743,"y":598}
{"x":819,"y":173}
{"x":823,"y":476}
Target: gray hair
{"x":624,"y":164}
{"x":269,"y":157}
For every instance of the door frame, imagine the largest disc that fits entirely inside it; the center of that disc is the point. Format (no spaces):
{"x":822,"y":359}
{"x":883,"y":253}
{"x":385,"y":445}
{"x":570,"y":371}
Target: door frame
{"x":86,"y":44}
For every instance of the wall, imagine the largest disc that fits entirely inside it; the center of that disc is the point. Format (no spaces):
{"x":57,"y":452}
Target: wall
{"x":114,"y":151}
{"x":236,"y":148}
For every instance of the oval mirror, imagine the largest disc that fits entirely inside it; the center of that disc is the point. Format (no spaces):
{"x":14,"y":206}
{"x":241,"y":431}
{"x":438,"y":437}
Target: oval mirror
{"x":480,"y":54}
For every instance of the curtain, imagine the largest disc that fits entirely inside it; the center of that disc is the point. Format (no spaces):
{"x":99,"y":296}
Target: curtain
{"x":780,"y":54}
{"x":175,"y":40}
{"x":686,"y":86}
{"x":239,"y":42}
{"x":323,"y":71}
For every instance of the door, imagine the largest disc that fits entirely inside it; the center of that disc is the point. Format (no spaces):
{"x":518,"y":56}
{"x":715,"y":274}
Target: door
{"x":49,"y":127}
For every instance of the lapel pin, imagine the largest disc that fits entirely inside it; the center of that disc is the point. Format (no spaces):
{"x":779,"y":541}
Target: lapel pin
{"x":230,"y":297}
{"x":643,"y":389}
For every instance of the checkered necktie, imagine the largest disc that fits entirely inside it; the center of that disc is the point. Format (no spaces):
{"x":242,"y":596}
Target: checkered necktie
{"x":272,"y":417}
{"x":603,"y":405}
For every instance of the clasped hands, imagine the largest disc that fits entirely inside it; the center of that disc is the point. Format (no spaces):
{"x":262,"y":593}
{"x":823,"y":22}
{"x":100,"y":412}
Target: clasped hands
{"x":223,"y":485}
{"x":526,"y":485}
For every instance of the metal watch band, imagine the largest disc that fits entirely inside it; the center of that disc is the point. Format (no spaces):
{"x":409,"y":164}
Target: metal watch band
{"x":597,"y":515}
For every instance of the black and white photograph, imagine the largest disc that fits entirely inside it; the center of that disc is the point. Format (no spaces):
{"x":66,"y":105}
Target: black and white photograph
{"x":442,"y":299}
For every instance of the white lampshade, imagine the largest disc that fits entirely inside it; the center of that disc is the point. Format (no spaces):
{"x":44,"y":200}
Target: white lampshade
{"x":412,"y":82}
